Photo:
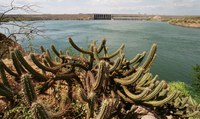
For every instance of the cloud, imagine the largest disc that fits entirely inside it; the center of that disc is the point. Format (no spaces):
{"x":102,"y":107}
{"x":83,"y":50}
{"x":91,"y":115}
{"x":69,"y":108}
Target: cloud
{"x":114,"y":6}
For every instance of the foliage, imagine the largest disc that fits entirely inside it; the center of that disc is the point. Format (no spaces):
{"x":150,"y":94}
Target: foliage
{"x":181,"y":86}
{"x":196,"y":78}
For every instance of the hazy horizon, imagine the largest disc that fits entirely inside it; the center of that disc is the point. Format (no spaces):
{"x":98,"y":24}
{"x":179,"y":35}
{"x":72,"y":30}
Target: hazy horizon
{"x":156,"y":7}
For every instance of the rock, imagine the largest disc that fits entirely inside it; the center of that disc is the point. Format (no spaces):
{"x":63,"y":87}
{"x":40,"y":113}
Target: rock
{"x":148,"y":117}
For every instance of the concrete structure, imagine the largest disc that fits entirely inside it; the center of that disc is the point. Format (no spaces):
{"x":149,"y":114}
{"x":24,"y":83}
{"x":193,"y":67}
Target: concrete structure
{"x":102,"y":16}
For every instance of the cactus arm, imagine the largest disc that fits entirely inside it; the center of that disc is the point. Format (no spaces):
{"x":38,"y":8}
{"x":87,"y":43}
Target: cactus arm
{"x":115,"y":65}
{"x":150,"y":56}
{"x":95,"y":54}
{"x":28,"y":67}
{"x":104,"y":110}
{"x":42,"y":49}
{"x":55,"y":50}
{"x":45,"y":62}
{"x":100,"y":48}
{"x":16,"y":63}
{"x":46,"y":86}
{"x":77,"y":48}
{"x":6,"y":92}
{"x":49,"y":61}
{"x":40,"y":112}
{"x":163,"y":101}
{"x":28,"y":89}
{"x":136,"y":96}
{"x":8,"y":70}
{"x":190,"y":114}
{"x":3,"y":75}
{"x":177,"y":102}
{"x":82,"y":96}
{"x":143,"y":80}
{"x":132,"y":70}
{"x":90,"y":105}
{"x":164,"y":92}
{"x":41,"y":66}
{"x":121,"y":62}
{"x":158,"y":88}
{"x":100,"y":76}
{"x":124,"y":97}
{"x":138,"y":57}
{"x":152,"y":81}
{"x":132,"y":80}
{"x":115,"y":53}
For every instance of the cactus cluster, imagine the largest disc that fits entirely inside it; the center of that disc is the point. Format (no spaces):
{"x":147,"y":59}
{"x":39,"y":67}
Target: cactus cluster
{"x":109,"y":85}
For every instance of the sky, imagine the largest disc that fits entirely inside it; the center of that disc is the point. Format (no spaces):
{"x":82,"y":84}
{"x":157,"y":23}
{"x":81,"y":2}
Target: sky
{"x":155,"y":7}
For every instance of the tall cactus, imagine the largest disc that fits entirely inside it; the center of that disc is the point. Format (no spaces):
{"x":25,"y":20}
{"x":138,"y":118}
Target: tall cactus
{"x":28,"y":89}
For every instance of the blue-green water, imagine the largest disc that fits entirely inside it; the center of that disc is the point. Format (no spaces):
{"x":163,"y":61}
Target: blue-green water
{"x":178,"y":47}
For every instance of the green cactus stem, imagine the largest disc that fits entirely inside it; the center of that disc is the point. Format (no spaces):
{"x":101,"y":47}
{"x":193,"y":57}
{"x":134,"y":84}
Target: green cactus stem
{"x":151,"y":81}
{"x":39,"y":76}
{"x":28,"y":89}
{"x":90,"y":105}
{"x":55,"y":50}
{"x":150,"y":56}
{"x":40,"y":112}
{"x":155,"y":92}
{"x":45,"y":62}
{"x":77,"y":48}
{"x":50,"y":63}
{"x":184,"y":101}
{"x":115,"y":65}
{"x":144,"y":79}
{"x":16,"y":64}
{"x":132,"y":70}
{"x":160,"y":103}
{"x":104,"y":110}
{"x":48,"y":54}
{"x":121,"y":61}
{"x":100,"y":48}
{"x":115,"y":53}
{"x":164,"y":92}
{"x":41,"y":66}
{"x":3,"y":75}
{"x":137,"y":58}
{"x":177,"y":102}
{"x":190,"y":114}
{"x":46,"y":86}
{"x":132,"y":80}
{"x":100,"y":76}
{"x":42,"y":49}
{"x":6,"y":92}
{"x":124,"y":97}
{"x":8,"y":70}
{"x":136,"y":97}
{"x":82,"y":96}
{"x":95,"y":54}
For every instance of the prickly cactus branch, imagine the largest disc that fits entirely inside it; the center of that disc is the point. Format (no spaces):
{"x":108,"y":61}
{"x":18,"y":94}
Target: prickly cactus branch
{"x":95,"y":84}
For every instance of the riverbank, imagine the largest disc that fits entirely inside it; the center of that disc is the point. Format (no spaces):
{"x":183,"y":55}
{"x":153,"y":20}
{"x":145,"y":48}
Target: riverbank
{"x":184,"y":21}
{"x":193,"y":22}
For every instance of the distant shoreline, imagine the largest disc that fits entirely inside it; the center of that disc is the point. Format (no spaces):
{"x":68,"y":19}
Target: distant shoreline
{"x":185,"y":21}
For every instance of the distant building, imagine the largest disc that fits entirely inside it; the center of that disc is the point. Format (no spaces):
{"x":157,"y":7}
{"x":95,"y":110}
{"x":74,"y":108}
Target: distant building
{"x":102,"y":16}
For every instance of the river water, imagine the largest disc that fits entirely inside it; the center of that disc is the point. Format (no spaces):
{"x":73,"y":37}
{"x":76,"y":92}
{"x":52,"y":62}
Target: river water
{"x":178,"y":47}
